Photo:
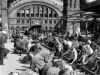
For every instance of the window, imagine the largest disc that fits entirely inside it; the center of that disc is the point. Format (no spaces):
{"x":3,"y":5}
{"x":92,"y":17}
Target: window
{"x":41,"y":11}
{"x":32,"y":11}
{"x":18,"y":21}
{"x":23,"y":21}
{"x":46,"y":12}
{"x":50,"y":22}
{"x":27,"y":21}
{"x":42,"y":22}
{"x":23,"y":12}
{"x":37,"y":11}
{"x":55,"y":22}
{"x":55,"y":15}
{"x":46,"y":21}
{"x":27,"y":12}
{"x":18,"y":14}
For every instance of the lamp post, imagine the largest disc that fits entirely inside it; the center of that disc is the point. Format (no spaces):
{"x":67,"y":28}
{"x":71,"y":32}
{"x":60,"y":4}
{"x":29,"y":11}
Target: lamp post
{"x":65,"y":13}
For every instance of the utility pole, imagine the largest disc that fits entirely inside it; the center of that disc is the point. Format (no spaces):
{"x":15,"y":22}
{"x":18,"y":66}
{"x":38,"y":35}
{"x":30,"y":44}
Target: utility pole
{"x":65,"y":13}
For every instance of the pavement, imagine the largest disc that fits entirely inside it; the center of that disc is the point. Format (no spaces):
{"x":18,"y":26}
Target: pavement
{"x":12,"y":63}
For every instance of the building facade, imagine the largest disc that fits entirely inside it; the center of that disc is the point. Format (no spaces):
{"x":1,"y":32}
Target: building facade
{"x":3,"y":15}
{"x":39,"y":12}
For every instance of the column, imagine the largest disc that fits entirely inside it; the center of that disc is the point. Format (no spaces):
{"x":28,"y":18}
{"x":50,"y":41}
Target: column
{"x":86,"y":27}
{"x":52,"y":14}
{"x":65,"y":13}
{"x":73,"y":1}
{"x":43,"y":12}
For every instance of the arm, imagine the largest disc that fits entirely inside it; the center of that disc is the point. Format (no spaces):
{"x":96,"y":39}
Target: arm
{"x":75,"y":57}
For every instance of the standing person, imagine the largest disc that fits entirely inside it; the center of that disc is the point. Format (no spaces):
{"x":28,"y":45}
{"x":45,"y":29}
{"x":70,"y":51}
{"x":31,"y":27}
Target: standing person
{"x":2,"y":41}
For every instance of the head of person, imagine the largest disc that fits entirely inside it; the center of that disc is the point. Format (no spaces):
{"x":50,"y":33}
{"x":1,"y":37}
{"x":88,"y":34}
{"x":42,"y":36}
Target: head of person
{"x":89,"y":41}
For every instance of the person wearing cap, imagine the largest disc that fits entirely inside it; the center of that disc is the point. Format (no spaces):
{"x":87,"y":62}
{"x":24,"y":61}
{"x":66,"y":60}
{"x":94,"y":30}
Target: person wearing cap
{"x":41,"y":59}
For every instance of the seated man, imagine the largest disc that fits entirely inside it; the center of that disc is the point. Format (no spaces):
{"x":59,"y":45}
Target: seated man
{"x":21,"y":45}
{"x":41,"y":59}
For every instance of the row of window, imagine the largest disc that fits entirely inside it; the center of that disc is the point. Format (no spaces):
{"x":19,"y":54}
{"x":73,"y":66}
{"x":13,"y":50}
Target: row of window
{"x":36,"y":11}
{"x":23,"y":21}
{"x":36,"y":15}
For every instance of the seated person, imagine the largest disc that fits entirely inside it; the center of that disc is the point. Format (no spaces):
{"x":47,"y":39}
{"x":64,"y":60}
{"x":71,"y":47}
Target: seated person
{"x":72,"y":53}
{"x":93,"y":45}
{"x":67,"y":70}
{"x":21,"y":45}
{"x":88,"y":51}
{"x":41,"y":59}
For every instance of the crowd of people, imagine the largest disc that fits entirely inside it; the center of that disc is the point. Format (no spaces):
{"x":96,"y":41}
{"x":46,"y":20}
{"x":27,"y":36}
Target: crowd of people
{"x":62,"y":55}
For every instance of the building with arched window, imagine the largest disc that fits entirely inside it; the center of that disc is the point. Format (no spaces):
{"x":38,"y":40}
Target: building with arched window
{"x":39,"y":12}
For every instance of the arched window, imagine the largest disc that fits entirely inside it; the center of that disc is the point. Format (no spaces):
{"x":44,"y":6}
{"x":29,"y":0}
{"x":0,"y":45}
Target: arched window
{"x":27,"y":12}
{"x":31,"y":13}
{"x":23,"y":12}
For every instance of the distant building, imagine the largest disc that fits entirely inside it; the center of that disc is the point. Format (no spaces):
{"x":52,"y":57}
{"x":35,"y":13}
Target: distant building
{"x":39,"y":12}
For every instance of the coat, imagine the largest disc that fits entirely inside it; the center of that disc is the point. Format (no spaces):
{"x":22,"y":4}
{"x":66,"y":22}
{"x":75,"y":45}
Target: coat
{"x":41,"y":58}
